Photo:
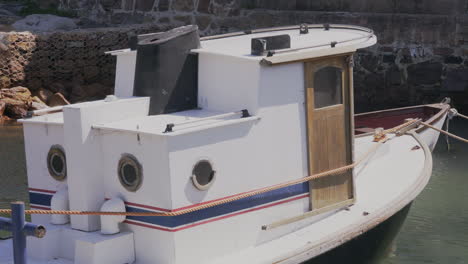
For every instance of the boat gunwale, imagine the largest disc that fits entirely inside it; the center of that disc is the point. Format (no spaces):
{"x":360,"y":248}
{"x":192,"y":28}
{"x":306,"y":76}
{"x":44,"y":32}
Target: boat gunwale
{"x":444,"y":108}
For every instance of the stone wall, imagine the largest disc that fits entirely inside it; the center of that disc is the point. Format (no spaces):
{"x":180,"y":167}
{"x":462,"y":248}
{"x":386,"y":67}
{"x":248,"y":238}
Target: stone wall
{"x":421,"y":56}
{"x":72,"y":63}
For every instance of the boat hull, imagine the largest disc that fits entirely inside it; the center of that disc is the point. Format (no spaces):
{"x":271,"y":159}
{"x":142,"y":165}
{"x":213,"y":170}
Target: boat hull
{"x":369,"y":247}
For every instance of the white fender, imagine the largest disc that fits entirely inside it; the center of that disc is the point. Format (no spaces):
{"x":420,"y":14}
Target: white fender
{"x":60,"y":202}
{"x":110,"y":223}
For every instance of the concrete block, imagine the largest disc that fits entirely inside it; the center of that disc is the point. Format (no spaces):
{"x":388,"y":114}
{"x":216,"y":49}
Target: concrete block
{"x":105,"y":249}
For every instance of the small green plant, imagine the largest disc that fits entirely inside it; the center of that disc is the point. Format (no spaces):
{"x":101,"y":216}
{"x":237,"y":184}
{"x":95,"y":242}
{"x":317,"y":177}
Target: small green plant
{"x":31,"y":7}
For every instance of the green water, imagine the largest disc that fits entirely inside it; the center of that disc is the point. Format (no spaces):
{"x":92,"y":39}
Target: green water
{"x":436,"y":230}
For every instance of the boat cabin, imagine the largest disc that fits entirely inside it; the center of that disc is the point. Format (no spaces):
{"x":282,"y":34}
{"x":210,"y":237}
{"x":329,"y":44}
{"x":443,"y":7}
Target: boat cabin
{"x":198,"y":120}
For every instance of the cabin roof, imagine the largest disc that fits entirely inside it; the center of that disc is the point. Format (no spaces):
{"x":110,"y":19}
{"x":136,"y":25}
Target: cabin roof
{"x":317,"y":43}
{"x":184,"y":122}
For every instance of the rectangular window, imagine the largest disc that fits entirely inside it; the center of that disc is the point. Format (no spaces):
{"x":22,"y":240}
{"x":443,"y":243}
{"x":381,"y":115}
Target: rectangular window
{"x":327,"y":87}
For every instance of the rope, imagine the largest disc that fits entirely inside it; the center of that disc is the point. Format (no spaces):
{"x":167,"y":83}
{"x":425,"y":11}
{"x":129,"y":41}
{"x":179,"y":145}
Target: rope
{"x":232,"y":198}
{"x":460,"y":115}
{"x":214,"y":203}
{"x":445,"y":132}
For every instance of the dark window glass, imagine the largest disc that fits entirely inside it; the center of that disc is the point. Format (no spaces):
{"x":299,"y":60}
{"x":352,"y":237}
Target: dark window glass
{"x":130,"y":172}
{"x":56,"y":163}
{"x":203,"y":172}
{"x":327,"y":87}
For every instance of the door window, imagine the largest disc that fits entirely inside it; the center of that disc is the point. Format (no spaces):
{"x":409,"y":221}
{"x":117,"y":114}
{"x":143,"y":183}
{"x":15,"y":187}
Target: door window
{"x":327,"y":87}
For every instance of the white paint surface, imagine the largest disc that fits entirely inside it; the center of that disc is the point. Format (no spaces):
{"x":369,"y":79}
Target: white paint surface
{"x":125,"y":73}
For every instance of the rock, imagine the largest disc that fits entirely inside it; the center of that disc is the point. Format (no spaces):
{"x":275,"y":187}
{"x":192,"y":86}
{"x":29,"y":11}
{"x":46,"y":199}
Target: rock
{"x":56,"y":87}
{"x":44,"y":94}
{"x":2,"y":108}
{"x":183,"y":5}
{"x":17,"y":93}
{"x":425,"y":73}
{"x":44,"y":23}
{"x":163,"y":5}
{"x":203,"y":21}
{"x":144,"y":5}
{"x":87,"y":92}
{"x":37,"y":106}
{"x":37,"y":100}
{"x":204,"y":6}
{"x":456,"y":81}
{"x":15,"y":108}
{"x":453,"y":60}
{"x":57,"y":100}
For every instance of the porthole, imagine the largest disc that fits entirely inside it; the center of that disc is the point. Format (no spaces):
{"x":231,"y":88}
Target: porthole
{"x":130,"y":173}
{"x":57,"y":163}
{"x":203,"y":175}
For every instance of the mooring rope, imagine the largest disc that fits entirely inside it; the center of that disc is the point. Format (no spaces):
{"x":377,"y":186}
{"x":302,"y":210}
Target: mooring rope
{"x":381,"y":140}
{"x":454,"y":112}
{"x":445,"y":132}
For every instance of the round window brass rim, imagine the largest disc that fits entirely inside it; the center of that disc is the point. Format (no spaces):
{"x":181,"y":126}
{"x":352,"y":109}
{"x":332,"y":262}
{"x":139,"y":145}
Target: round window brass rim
{"x":129,"y":159}
{"x":196,"y":183}
{"x":57,"y":151}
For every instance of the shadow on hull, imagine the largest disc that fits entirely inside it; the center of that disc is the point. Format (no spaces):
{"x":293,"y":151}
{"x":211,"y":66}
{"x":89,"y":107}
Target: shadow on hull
{"x":368,"y":248}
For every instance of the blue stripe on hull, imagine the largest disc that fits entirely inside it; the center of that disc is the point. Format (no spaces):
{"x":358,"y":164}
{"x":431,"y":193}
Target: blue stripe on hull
{"x":246,"y":203}
{"x":224,"y":209}
{"x":40,"y":198}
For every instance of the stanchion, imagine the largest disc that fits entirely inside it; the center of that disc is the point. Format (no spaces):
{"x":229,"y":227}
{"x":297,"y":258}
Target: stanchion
{"x":20,"y":230}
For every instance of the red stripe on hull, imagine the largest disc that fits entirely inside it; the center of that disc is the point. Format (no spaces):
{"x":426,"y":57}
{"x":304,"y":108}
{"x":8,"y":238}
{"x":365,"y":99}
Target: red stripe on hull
{"x":217,"y":218}
{"x":41,"y":190}
{"x":39,"y":207}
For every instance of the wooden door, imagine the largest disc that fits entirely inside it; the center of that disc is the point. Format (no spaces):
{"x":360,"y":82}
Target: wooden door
{"x":329,"y":132}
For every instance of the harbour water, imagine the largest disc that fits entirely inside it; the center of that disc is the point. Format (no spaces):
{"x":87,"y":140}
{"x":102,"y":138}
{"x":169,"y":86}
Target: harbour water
{"x":436,"y":230}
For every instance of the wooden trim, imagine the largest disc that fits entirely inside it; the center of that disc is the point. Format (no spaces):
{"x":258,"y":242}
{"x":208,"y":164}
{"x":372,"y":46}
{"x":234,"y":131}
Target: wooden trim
{"x":444,"y":108}
{"x":337,"y":206}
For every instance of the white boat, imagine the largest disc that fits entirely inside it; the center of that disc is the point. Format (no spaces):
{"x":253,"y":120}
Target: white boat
{"x":198,"y":130}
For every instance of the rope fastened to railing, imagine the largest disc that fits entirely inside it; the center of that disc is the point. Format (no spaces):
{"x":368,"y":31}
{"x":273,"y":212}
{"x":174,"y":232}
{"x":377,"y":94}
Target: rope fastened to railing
{"x":233,"y":198}
{"x":445,"y":132}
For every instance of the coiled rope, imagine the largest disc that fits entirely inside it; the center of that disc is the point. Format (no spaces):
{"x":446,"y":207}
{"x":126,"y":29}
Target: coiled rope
{"x":381,"y":140}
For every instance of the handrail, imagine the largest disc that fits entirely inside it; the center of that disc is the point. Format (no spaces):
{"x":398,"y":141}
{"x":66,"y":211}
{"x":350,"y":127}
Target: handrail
{"x":169,"y":127}
{"x":264,"y":30}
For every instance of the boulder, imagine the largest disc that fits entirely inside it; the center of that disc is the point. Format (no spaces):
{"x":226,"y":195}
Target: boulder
{"x":425,"y":73}
{"x":37,"y":104}
{"x":87,"y":92}
{"x":17,"y":93}
{"x":59,"y":88}
{"x":2,"y":108}
{"x":57,"y":100}
{"x":16,"y":101}
{"x":15,"y":108}
{"x":44,"y":23}
{"x":43,"y":94}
